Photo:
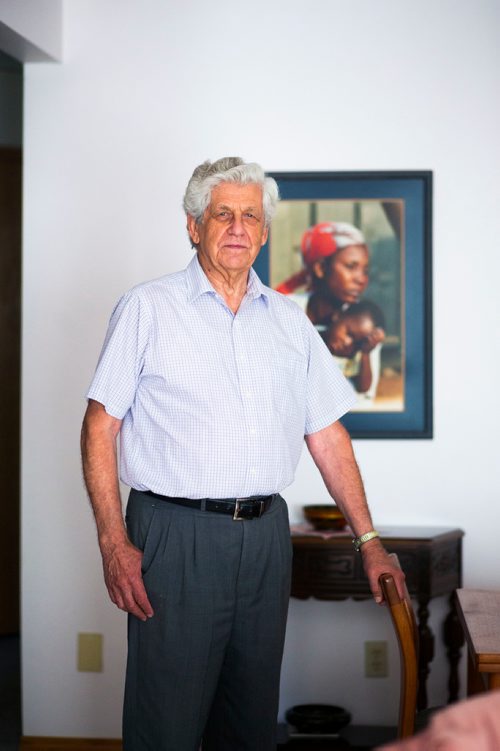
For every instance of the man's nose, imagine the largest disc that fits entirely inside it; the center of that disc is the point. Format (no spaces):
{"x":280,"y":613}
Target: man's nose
{"x":236,"y":226}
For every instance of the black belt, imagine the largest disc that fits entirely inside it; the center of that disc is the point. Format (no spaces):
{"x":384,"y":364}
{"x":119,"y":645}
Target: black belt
{"x":239,"y":508}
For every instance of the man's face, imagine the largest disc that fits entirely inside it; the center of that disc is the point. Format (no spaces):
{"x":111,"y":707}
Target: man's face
{"x":232,"y":230}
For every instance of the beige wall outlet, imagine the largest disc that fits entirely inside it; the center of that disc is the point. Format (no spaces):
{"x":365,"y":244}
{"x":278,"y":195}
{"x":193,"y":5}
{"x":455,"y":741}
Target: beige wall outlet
{"x":90,"y":653}
{"x":376,"y":660}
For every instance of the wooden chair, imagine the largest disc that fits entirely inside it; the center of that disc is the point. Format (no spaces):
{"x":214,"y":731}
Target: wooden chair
{"x":405,"y":626}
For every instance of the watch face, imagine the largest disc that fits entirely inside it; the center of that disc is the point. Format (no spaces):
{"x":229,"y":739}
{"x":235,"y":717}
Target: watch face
{"x":358,"y":541}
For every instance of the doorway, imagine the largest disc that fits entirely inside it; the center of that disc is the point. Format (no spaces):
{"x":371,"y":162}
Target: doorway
{"x":11,"y":94}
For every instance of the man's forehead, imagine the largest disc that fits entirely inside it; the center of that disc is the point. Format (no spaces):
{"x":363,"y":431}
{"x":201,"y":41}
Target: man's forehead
{"x":236,"y":193}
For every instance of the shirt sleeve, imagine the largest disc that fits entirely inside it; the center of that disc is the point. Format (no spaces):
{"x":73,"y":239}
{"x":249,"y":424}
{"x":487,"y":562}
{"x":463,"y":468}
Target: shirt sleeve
{"x":122,"y":356}
{"x":329,"y":393}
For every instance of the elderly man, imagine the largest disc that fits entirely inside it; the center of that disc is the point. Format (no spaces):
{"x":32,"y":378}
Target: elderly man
{"x":212,"y":380}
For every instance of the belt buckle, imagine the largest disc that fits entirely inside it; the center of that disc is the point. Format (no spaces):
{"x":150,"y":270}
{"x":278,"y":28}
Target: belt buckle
{"x":238,"y":509}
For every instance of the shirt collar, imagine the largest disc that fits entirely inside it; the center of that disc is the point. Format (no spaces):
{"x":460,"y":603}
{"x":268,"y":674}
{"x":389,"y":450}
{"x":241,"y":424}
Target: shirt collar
{"x":199,"y":284}
{"x":197,"y":280}
{"x":255,"y":288}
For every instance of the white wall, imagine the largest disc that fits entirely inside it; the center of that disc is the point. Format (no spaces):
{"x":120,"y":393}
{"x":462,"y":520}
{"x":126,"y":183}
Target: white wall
{"x":146,"y":92}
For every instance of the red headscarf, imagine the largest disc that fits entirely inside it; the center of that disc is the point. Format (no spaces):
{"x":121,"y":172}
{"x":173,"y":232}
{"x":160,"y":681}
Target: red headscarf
{"x":318,"y":242}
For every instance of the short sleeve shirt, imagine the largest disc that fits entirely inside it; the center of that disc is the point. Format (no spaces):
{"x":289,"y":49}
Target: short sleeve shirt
{"x":214,"y":404}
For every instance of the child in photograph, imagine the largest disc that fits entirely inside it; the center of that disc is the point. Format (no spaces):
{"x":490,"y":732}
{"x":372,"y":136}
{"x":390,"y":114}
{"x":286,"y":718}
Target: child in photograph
{"x":351,"y":338}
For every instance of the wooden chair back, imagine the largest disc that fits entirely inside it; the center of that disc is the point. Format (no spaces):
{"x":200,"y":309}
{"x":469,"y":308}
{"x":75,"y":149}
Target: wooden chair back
{"x":405,"y":626}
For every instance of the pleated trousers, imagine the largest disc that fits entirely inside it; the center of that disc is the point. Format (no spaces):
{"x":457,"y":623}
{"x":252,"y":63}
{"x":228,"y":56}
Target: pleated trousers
{"x":205,"y":669}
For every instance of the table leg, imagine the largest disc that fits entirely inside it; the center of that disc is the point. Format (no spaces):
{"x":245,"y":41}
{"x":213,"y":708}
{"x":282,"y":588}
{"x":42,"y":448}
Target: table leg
{"x":475,"y":682}
{"x":453,"y":637}
{"x":493,"y":681}
{"x":426,"y":651}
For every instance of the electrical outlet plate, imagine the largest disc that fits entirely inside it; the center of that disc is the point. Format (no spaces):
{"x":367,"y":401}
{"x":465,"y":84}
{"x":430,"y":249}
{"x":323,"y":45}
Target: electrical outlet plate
{"x":90,"y":653}
{"x":376,"y":659}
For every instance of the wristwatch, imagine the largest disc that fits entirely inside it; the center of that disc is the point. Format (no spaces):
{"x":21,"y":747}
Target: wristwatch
{"x":359,"y":541}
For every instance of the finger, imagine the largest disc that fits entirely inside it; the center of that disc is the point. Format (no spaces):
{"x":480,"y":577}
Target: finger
{"x":142,"y":600}
{"x":377,"y":592}
{"x":133,"y":608}
{"x":123,"y":596}
{"x":116,"y":599}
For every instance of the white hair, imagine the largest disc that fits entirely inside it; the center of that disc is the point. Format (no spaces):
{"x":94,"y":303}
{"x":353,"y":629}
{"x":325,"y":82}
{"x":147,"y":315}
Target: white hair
{"x":229,"y":169}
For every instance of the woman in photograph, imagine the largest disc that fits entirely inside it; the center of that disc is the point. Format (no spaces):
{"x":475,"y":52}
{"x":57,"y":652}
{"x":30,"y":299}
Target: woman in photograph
{"x":336,"y":274}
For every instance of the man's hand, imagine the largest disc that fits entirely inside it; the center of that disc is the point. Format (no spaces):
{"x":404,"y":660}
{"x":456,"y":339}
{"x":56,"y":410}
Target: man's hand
{"x":123,"y":577}
{"x":377,"y":561}
{"x":332,"y":452}
{"x":121,"y":560}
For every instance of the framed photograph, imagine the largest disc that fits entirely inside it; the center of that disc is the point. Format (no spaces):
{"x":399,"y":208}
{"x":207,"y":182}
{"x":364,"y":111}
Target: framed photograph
{"x":353,"y":249}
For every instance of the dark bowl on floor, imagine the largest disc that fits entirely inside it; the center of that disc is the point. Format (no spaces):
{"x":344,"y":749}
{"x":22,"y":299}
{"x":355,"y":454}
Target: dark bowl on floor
{"x":318,"y":718}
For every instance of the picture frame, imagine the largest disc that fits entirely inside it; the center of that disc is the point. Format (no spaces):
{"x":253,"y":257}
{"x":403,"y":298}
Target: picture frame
{"x":393,"y":211}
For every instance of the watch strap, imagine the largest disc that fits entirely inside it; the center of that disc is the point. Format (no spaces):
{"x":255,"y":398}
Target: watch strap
{"x":359,"y":541}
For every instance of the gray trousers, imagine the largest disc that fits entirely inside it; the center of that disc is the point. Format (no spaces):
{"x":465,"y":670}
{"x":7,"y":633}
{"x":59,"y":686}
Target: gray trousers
{"x":206,"y":667}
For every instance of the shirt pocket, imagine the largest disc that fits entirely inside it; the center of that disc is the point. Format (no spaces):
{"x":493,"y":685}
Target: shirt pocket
{"x":140,"y":520}
{"x":289,"y":378}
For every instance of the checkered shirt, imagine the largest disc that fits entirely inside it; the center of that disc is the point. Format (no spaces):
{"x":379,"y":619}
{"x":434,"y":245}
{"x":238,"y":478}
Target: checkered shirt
{"x":214,"y":404}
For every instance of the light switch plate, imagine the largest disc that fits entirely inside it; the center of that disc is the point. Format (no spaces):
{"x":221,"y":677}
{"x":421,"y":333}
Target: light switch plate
{"x":376,"y":659}
{"x":90,"y":653}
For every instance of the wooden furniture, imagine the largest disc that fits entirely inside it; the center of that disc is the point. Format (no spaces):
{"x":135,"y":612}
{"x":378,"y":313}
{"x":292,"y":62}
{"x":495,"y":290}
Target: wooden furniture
{"x":479,"y":614}
{"x":431,"y":557}
{"x":405,"y":626}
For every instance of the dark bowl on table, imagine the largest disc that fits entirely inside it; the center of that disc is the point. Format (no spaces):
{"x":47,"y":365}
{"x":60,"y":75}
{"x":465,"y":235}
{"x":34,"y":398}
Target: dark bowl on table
{"x":325,"y":516}
{"x":318,"y":718}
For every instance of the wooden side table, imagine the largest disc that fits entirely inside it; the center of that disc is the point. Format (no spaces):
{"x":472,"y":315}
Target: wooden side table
{"x":431,"y":557}
{"x":479,"y":614}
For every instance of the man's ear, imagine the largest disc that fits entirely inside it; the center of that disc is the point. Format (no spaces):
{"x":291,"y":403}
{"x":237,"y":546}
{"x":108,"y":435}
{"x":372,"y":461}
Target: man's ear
{"x":192,"y":228}
{"x":265,"y":235}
